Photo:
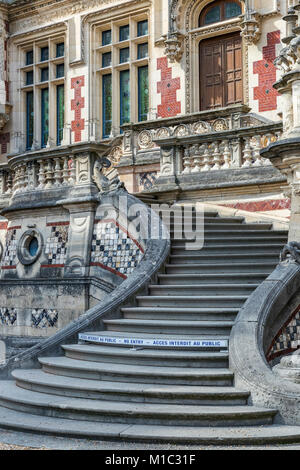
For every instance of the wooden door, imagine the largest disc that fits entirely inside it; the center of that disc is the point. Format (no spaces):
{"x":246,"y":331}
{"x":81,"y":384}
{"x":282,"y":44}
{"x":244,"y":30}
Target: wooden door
{"x":221,"y":82}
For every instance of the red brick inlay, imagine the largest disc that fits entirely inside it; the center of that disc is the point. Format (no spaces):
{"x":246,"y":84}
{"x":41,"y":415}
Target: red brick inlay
{"x":4,"y":140}
{"x":3,"y":225}
{"x":261,"y":206}
{"x":266,"y":70}
{"x":167,"y":87}
{"x":77,"y":104}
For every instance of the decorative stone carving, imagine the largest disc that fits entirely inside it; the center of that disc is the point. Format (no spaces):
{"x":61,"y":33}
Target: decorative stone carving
{"x":220,"y":125}
{"x":201,"y":127}
{"x":174,"y":45}
{"x":4,"y":118}
{"x":251,"y":27}
{"x":289,"y":368}
{"x":104,"y":184}
{"x":291,"y":251}
{"x":145,"y":140}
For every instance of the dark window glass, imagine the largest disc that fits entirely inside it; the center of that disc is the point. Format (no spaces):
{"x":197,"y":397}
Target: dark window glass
{"x":60,"y":112}
{"x":33,"y":246}
{"x":44,"y":54}
{"x":106,"y":59}
{"x":124,"y":33}
{"x":232,"y":10}
{"x":213,"y":15}
{"x":29,"y":78}
{"x":142,"y":51}
{"x":106,"y":37}
{"x":60,"y":49}
{"x":60,"y":70}
{"x":29,"y":120}
{"x":124,"y":97}
{"x":143,"y":94}
{"x":124,"y":55}
{"x":45,"y":116}
{"x":45,"y":75}
{"x":107,"y":104}
{"x":142,"y":28}
{"x":29,"y":57}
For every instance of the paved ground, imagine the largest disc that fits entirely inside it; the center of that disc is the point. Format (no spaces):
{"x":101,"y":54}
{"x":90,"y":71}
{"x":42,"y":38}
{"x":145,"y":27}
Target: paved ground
{"x":11,"y":440}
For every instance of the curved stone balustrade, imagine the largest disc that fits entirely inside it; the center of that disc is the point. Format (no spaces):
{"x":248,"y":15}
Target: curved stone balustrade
{"x":264,"y":314}
{"x":155,"y":254}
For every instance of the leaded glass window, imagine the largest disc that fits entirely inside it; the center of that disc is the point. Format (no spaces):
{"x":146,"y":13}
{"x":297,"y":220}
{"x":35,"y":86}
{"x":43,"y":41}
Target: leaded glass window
{"x":45,"y":116}
{"x":143,"y":95}
{"x":107,"y":104}
{"x":124,"y":33}
{"x":106,"y":59}
{"x":213,"y":15}
{"x":29,"y":57}
{"x":44,"y":54}
{"x":106,"y":37}
{"x":142,"y":28}
{"x":219,"y":11}
{"x":60,"y":70}
{"x":142,"y":51}
{"x":124,"y":97}
{"x":124,"y":55}
{"x":29,"y":119}
{"x":60,"y":49}
{"x":232,"y":9}
{"x":45,"y":74}
{"x":29,"y":78}
{"x":60,"y":112}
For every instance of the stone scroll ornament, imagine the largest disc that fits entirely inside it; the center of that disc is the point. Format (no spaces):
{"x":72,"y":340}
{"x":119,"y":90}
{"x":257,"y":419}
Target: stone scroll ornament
{"x":103,"y":183}
{"x":291,"y":251}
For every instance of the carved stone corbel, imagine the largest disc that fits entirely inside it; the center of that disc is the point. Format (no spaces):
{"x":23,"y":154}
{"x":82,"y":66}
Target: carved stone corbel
{"x":251,"y":27}
{"x":173,"y":43}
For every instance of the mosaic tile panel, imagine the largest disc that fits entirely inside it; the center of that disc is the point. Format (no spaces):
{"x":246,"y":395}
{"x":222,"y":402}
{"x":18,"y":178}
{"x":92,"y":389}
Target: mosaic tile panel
{"x":8,"y":316}
{"x":9,"y":257}
{"x":113,"y":249}
{"x":147,"y":180}
{"x":56,"y":246}
{"x":288,"y":338}
{"x":44,"y":318}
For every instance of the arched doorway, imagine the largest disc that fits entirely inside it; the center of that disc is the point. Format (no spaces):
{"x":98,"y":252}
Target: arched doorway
{"x":220,"y":60}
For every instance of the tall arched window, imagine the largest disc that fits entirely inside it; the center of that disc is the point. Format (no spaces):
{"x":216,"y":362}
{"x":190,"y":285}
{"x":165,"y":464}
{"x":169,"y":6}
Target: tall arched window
{"x":219,"y":11}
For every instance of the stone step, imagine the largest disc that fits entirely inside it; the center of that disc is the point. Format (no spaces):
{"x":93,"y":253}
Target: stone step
{"x":246,"y":435}
{"x":244,"y":234}
{"x":189,"y":314}
{"x":191,"y":301}
{"x":200,"y":279}
{"x":135,"y":373}
{"x":200,"y":289}
{"x":161,"y":358}
{"x":217,"y":239}
{"x":219,"y":268}
{"x":39,"y":381}
{"x":190,"y":257}
{"x":168,"y":327}
{"x":43,"y":404}
{"x":216,"y":226}
{"x":230,"y":249}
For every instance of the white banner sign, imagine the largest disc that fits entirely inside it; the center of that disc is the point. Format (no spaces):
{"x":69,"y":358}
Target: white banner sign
{"x":194,"y":343}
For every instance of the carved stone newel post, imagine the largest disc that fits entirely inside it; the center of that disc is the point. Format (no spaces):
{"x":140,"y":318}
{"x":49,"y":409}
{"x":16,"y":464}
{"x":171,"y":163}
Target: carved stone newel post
{"x":285,"y":153}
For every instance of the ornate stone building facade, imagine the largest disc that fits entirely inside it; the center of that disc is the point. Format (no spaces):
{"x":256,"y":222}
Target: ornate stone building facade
{"x":132,"y":74}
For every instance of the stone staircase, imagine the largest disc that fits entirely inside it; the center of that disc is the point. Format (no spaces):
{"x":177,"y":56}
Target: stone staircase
{"x":145,"y":377}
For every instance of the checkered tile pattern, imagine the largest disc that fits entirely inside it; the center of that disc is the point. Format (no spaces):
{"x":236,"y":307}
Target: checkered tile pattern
{"x":113,"y":248}
{"x":56,"y":246}
{"x":10,"y":251}
{"x":44,"y":318}
{"x":147,"y":180}
{"x":288,"y":339}
{"x":8,"y":316}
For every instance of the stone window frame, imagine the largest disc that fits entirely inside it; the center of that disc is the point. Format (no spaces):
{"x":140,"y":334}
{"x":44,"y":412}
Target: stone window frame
{"x":113,"y":22}
{"x":196,"y":34}
{"x":23,"y":254}
{"x":35,"y":43}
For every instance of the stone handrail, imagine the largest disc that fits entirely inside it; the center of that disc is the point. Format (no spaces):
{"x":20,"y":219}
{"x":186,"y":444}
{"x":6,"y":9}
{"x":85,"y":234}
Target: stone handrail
{"x":258,"y":322}
{"x":156,"y":252}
